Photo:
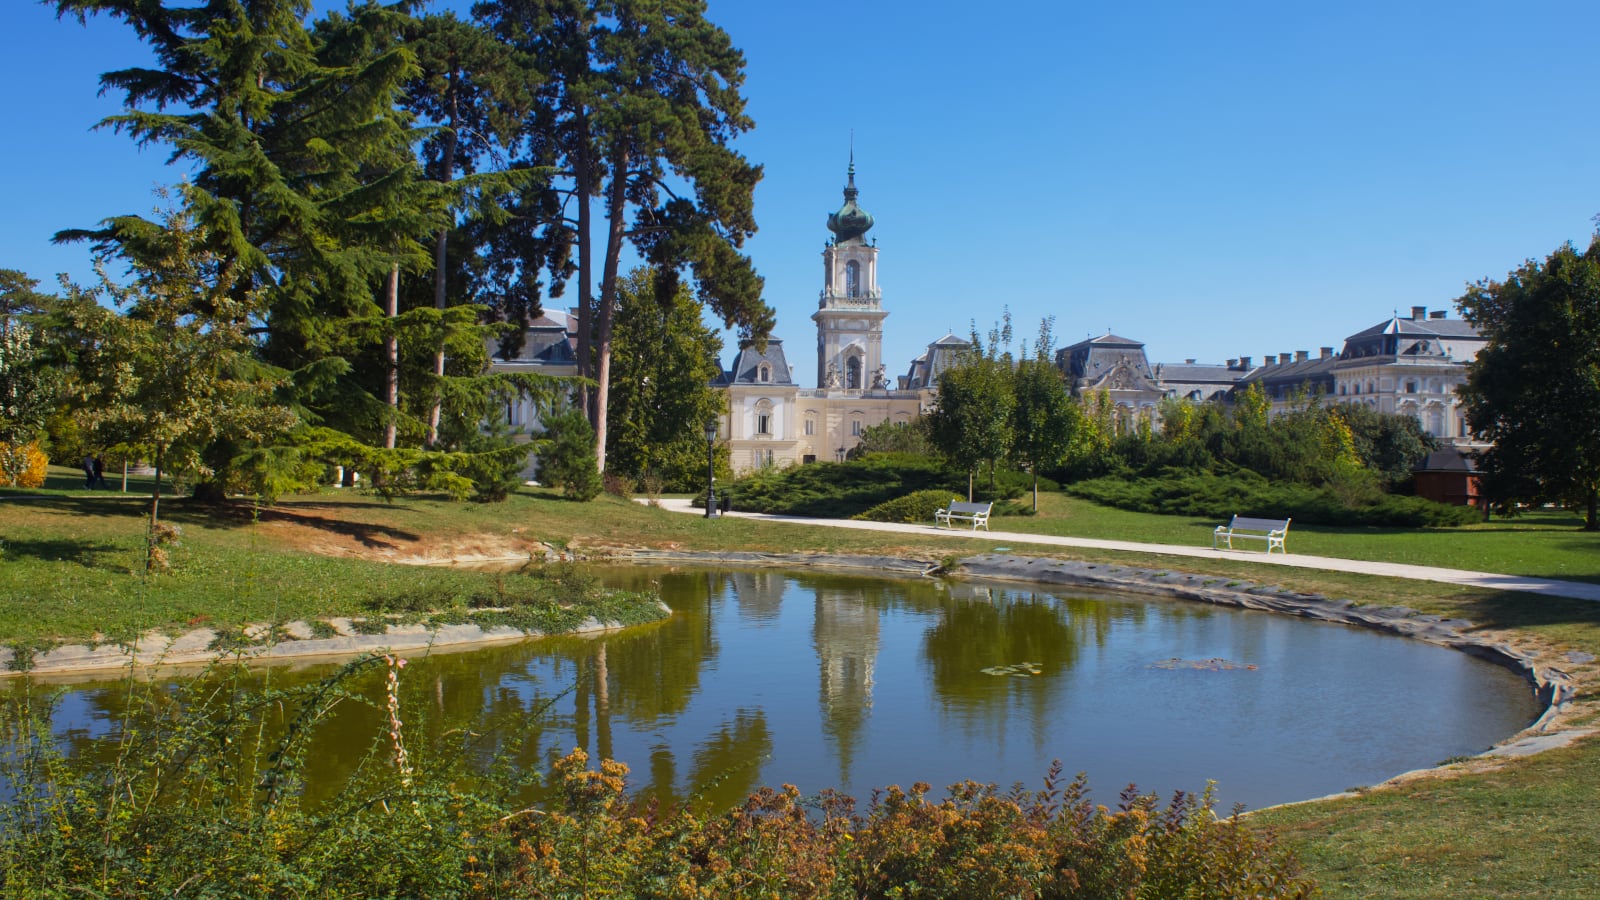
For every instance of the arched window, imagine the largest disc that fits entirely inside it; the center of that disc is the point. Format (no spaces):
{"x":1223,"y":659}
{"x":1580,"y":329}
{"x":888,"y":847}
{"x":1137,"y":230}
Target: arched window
{"x":764,"y":373}
{"x":852,"y":370}
{"x":852,"y":279}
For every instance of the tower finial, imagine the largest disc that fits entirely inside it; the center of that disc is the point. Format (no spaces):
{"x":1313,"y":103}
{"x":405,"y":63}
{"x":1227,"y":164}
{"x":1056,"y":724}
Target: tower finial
{"x":851,"y":221}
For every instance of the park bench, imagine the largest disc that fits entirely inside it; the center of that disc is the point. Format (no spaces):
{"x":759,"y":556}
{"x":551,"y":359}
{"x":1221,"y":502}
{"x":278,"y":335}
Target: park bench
{"x":976,"y":513}
{"x":1272,"y":531}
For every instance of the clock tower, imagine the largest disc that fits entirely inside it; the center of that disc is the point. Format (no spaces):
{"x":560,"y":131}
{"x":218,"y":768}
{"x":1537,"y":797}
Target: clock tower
{"x":850,"y":310}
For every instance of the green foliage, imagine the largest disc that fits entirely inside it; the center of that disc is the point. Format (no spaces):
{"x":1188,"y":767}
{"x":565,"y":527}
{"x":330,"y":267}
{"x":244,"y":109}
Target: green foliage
{"x":203,"y":793}
{"x":661,"y":394}
{"x":568,"y":461}
{"x":842,"y":490}
{"x":917,"y":507}
{"x":30,"y":387}
{"x":972,"y":422}
{"x":894,"y":437}
{"x":1534,"y":389}
{"x":1350,"y":451}
{"x":1247,"y":494}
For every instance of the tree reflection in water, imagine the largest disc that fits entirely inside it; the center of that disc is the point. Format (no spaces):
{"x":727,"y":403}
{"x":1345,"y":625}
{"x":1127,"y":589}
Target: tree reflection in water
{"x":824,"y":680}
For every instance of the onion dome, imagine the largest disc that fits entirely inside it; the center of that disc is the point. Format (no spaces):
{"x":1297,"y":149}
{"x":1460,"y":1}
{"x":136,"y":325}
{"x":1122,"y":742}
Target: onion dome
{"x":851,"y":221}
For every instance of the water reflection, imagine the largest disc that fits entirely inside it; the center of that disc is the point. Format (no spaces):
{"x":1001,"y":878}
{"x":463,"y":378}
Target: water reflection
{"x":833,"y":681}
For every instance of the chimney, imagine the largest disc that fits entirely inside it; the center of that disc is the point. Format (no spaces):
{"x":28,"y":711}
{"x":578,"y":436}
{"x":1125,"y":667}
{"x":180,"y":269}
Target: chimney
{"x":1233,"y":364}
{"x":1439,"y":314}
{"x":1244,"y":363}
{"x":1327,"y":353}
{"x":1302,"y":355}
{"x":1189,"y":362}
{"x":1418,"y":313}
{"x":1285,"y":358}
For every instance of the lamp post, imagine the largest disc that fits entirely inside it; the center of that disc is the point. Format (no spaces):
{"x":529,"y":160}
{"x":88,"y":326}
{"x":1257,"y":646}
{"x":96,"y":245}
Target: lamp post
{"x":711,"y":467}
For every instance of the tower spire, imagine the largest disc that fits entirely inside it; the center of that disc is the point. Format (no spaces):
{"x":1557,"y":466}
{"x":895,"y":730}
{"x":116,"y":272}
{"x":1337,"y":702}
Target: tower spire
{"x":851,"y":221}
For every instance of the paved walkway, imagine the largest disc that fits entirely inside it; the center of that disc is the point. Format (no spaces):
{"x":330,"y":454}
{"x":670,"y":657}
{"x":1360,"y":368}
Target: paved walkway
{"x":1549,"y":587}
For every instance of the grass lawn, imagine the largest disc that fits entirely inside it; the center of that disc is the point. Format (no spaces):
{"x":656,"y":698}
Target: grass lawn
{"x":1545,"y":543}
{"x":69,"y":558}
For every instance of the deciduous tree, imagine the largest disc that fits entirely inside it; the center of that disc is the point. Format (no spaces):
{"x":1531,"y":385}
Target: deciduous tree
{"x":1534,"y":389}
{"x":972,"y":421}
{"x":174,"y":371}
{"x":1044,"y":420}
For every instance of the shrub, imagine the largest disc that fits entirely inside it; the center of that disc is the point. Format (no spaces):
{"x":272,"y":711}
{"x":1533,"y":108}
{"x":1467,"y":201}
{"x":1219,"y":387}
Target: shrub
{"x":1248,"y":494}
{"x":841,"y":490}
{"x":199,"y":798}
{"x":22,"y":465}
{"x":568,"y":461}
{"x":915,"y":507}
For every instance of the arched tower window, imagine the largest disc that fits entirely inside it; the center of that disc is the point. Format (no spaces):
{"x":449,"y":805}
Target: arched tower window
{"x":764,"y":373}
{"x":852,"y":279}
{"x":852,"y":369}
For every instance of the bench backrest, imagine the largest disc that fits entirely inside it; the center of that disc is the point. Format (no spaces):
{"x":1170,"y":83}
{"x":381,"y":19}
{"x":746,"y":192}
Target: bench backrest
{"x":961,"y":506}
{"x":1243,"y":523}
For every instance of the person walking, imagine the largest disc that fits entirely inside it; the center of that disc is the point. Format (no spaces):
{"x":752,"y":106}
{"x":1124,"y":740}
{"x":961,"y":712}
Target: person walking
{"x":88,"y":472}
{"x":99,"y":476}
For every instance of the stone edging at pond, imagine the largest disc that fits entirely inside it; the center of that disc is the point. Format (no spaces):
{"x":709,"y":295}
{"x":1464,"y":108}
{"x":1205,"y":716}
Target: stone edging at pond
{"x":297,"y":640}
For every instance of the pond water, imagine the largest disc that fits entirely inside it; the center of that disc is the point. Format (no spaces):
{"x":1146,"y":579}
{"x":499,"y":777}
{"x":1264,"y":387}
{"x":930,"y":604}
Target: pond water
{"x":766,"y":677}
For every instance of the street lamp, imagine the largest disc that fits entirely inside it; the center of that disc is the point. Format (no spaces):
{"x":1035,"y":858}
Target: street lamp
{"x":711,"y":467}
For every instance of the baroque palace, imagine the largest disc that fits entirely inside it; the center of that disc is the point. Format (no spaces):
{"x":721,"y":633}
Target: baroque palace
{"x":1407,"y":364}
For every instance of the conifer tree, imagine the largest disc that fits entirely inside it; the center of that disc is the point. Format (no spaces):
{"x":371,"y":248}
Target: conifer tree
{"x":641,"y":103}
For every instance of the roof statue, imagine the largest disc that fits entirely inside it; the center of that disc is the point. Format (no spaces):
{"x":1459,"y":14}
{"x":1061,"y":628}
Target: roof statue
{"x":851,"y":221}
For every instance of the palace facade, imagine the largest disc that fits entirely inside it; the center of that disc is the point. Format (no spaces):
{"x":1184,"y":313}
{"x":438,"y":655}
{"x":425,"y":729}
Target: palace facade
{"x":773,"y":421}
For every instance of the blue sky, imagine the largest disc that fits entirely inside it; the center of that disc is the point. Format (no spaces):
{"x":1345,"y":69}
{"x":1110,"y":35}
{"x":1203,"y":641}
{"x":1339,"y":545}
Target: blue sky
{"x":1216,"y":180}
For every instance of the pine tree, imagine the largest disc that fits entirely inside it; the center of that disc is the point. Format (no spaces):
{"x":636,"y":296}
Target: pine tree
{"x":641,"y":101}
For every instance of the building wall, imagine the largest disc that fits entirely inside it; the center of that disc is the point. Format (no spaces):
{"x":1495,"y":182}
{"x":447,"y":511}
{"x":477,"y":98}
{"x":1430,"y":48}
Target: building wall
{"x":836,"y":419}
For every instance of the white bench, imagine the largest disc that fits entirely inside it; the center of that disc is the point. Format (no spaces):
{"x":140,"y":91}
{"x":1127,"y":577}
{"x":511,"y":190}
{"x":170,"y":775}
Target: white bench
{"x":976,"y":513}
{"x":1273,"y":531}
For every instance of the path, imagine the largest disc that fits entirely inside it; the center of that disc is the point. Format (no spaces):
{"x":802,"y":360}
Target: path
{"x":1549,"y":587}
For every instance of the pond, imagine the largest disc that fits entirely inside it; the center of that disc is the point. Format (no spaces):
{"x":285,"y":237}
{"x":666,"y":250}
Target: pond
{"x":819,"y":680}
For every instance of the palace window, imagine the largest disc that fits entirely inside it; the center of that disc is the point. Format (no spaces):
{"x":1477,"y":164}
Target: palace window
{"x":852,"y":278}
{"x":764,"y":373}
{"x":855,"y":427}
{"x":763,"y":423}
{"x":811,"y":426}
{"x":852,"y":368}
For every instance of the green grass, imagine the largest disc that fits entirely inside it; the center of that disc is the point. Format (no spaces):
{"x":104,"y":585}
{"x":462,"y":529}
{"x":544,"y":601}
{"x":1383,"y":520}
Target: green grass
{"x":1545,"y":543}
{"x":1527,"y":830}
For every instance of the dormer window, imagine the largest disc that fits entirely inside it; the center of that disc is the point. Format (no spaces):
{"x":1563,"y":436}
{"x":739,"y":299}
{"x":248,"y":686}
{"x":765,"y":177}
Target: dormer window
{"x":764,"y":373}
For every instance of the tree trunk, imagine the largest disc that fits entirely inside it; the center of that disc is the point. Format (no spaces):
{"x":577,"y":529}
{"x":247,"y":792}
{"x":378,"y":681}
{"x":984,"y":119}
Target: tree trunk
{"x":1035,"y":489}
{"x":616,"y":208}
{"x":447,"y":165}
{"x":969,"y":485}
{"x":582,"y":165}
{"x":391,"y":352}
{"x":155,"y":510}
